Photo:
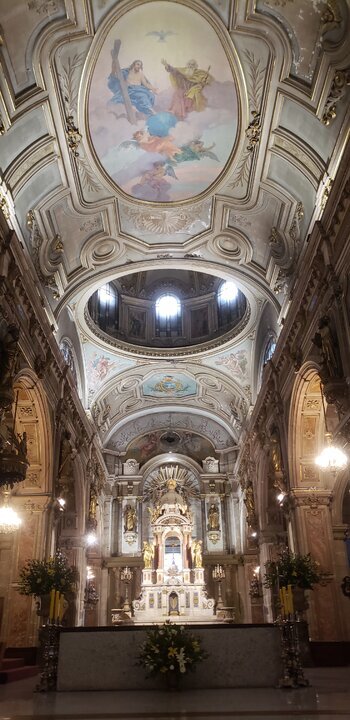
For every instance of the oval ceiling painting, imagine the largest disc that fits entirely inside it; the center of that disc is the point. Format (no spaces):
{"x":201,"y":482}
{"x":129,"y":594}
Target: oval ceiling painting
{"x":163,"y":103}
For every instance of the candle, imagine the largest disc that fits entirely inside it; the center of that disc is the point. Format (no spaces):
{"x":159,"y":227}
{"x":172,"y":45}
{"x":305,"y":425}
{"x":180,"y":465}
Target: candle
{"x":57,"y":606}
{"x":290,"y":600}
{"x":61,"y":608}
{"x":52,"y":604}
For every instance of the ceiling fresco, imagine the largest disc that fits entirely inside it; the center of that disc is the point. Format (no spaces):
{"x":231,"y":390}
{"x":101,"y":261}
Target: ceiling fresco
{"x":213,"y":154}
{"x":162,"y":105}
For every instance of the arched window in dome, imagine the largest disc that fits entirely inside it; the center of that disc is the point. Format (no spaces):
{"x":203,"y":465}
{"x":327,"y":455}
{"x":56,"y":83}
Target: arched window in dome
{"x":168,"y":316}
{"x":231,"y":303}
{"x":104,"y":308}
{"x":269,"y":349}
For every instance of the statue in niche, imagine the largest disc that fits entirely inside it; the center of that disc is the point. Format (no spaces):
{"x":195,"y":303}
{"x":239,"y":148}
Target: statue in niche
{"x":250,"y":505}
{"x":275,"y":452}
{"x":130,"y":518}
{"x":328,"y":346}
{"x":93,"y":503}
{"x":197,"y":553}
{"x":148,"y":554}
{"x":213,"y":517}
{"x":65,"y":471}
{"x":8,"y":357}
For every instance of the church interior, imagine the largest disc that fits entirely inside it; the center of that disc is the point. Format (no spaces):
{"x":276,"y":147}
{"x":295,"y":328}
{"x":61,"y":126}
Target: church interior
{"x":174,"y":348}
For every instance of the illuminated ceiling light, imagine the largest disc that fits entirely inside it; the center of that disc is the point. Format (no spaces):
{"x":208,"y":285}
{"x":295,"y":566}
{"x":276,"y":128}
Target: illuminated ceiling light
{"x":91,"y":539}
{"x":9,"y":520}
{"x":228,"y":291}
{"x":331,"y":458}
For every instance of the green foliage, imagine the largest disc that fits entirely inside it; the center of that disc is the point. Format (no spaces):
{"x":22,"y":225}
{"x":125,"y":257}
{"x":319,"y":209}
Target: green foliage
{"x":170,"y":648}
{"x":292,"y":569}
{"x":39,"y":577}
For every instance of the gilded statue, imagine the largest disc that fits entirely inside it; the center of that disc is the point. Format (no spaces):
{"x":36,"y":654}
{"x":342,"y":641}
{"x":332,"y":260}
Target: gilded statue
{"x":148,"y":554}
{"x":197,"y":553}
{"x":213,"y":517}
{"x":275,"y":453}
{"x":130,"y":518}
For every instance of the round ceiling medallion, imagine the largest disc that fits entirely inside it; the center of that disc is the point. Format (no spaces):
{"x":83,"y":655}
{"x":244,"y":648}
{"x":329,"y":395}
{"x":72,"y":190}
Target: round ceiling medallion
{"x":163,"y":104}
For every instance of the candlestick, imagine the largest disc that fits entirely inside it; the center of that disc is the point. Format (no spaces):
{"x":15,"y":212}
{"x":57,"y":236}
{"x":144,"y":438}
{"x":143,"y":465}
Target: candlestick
{"x":57,"y":606}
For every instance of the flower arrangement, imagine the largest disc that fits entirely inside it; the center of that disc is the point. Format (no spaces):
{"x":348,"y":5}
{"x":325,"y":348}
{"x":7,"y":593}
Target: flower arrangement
{"x":169,"y":649}
{"x":292,"y":569}
{"x":39,"y":577}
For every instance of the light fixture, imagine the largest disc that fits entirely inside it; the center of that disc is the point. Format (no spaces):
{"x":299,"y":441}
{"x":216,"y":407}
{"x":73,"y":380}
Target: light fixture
{"x":9,"y":520}
{"x":91,"y":539}
{"x":331,"y":458}
{"x":280,"y":497}
{"x":61,"y":503}
{"x":257,"y":570}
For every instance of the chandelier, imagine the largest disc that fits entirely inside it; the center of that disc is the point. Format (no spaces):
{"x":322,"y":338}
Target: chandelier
{"x":331,"y":457}
{"x":9,"y":520}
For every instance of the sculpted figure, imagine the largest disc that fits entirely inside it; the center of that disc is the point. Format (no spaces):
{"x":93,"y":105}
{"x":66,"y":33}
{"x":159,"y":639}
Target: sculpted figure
{"x":9,"y":352}
{"x":148,"y":554}
{"x":213,"y":517}
{"x":130,"y":519}
{"x":197,"y":553}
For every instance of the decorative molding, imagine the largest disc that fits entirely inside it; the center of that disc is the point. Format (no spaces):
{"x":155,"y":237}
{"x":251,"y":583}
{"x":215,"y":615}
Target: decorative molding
{"x":73,"y":135}
{"x":338,"y":88}
{"x":253,"y":131}
{"x":36,"y":242}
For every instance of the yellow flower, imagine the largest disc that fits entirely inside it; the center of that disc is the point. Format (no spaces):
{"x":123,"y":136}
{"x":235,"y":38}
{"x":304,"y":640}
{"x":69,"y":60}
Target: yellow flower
{"x":171,"y":652}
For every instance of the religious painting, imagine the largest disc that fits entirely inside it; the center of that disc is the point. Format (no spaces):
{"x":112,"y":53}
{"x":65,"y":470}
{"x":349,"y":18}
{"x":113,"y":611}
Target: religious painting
{"x":100,"y":366}
{"x":236,"y":363}
{"x":199,"y":322}
{"x":159,"y":441}
{"x":162,"y":107}
{"x":137,"y":323}
{"x":169,"y":386}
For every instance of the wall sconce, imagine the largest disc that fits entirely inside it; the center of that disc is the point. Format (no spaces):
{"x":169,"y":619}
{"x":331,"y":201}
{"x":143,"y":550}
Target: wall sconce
{"x":255,"y":586}
{"x":91,"y":539}
{"x":9,"y":520}
{"x":331,"y":457}
{"x":61,"y":503}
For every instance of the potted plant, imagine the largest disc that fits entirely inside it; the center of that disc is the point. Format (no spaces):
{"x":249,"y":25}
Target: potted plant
{"x":301,"y":572}
{"x":292,"y":569}
{"x":170,"y":651}
{"x":39,"y":577}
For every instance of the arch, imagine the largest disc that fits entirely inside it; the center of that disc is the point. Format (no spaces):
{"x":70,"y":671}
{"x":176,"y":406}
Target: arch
{"x":306,"y":428}
{"x":33,"y":417}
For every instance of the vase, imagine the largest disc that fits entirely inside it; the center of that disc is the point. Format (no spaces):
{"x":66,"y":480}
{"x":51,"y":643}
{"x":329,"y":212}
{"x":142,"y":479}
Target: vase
{"x":300,"y":601}
{"x":43,"y":606}
{"x":172,"y":680}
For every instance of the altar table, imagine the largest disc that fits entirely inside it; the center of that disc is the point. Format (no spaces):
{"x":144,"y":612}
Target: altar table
{"x":104,"y":658}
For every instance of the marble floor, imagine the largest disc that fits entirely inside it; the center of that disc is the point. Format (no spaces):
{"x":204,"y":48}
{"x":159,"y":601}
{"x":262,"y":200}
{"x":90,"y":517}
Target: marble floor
{"x":327,"y":697}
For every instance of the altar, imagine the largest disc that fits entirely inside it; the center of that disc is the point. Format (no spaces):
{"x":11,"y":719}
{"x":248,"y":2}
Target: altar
{"x":105,"y":658}
{"x":175,"y":590}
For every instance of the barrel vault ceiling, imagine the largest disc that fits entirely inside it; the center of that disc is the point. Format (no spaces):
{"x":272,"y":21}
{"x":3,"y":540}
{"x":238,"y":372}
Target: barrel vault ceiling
{"x":232,"y":188}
